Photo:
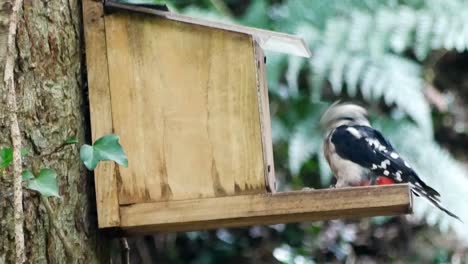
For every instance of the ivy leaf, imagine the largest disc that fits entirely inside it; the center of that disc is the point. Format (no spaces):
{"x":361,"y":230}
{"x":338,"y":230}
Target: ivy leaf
{"x":87,"y":156}
{"x":105,"y":148}
{"x":45,"y":183}
{"x":24,"y":152}
{"x":6,"y":157}
{"x":71,"y":140}
{"x":27,"y":175}
{"x":143,"y":2}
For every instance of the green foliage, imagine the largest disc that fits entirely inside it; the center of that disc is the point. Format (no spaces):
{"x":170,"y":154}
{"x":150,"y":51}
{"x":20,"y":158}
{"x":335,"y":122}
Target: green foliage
{"x":71,"y":140}
{"x":44,"y":183}
{"x":104,"y":148}
{"x":27,"y":175}
{"x":436,"y":166}
{"x":370,"y":51}
{"x":286,"y":254}
{"x":375,"y":52}
{"x":24,"y":152}
{"x":142,"y":1}
{"x":6,"y":157}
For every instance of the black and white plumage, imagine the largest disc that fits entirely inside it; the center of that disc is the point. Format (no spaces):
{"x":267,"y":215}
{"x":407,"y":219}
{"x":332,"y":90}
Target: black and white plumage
{"x":358,"y":153}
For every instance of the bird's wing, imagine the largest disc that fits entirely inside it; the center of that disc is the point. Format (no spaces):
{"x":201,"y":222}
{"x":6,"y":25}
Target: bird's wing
{"x":368,"y":148}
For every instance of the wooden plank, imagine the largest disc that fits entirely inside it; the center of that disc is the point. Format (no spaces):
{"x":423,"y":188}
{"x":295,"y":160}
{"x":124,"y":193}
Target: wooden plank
{"x":310,"y":205}
{"x":184,"y":102}
{"x":265,"y":119}
{"x":100,"y":108}
{"x":269,"y":40}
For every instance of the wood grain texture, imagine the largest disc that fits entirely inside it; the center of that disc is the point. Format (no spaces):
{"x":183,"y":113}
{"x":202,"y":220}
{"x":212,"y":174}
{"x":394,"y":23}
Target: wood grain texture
{"x":269,"y":40}
{"x":258,"y":209}
{"x":184,"y":102}
{"x":265,"y":120}
{"x":100,"y":108}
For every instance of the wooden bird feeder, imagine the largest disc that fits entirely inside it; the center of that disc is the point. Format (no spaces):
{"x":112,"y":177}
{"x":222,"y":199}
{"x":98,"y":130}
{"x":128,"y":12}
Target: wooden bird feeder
{"x":189,"y":100}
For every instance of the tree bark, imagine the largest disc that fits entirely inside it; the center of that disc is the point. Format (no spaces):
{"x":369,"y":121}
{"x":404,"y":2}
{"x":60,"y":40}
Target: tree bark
{"x":51,"y":108}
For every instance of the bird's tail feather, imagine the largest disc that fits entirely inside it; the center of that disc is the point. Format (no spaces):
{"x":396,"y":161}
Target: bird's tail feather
{"x":423,"y":188}
{"x":433,"y":199}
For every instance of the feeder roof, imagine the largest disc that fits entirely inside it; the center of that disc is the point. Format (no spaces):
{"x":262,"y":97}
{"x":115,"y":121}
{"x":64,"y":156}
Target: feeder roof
{"x":268,"y":40}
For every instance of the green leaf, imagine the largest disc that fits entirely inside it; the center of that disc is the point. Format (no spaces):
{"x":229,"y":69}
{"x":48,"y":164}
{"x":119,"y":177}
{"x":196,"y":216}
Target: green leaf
{"x":87,"y":156}
{"x":105,"y":148}
{"x":6,"y":157}
{"x":24,"y":152}
{"x":139,"y":2}
{"x":45,"y":183}
{"x":71,"y":140}
{"x":27,"y":175}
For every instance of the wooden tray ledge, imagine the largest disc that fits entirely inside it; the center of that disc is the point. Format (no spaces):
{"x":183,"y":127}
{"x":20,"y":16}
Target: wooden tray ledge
{"x":261,"y":209}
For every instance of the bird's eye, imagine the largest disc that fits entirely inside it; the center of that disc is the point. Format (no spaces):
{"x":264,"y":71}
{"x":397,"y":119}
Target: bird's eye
{"x":348,"y":118}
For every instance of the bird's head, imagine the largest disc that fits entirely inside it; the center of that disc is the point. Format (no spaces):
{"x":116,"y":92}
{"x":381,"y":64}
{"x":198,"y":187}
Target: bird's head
{"x":339,"y":114}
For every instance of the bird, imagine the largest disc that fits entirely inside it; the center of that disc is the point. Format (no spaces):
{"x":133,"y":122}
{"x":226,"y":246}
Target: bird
{"x":359,"y":154}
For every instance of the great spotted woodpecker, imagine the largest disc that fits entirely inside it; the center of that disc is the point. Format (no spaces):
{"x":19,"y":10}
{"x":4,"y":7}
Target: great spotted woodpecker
{"x":358,"y":154}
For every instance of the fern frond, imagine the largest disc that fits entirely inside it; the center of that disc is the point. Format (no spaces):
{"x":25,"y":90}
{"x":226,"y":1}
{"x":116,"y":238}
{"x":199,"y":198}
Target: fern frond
{"x":324,"y":168}
{"x":359,"y":30}
{"x":336,"y":75}
{"x":303,"y":144}
{"x":292,"y":74}
{"x":398,"y":29}
{"x":356,"y":66}
{"x":392,"y":78}
{"x":448,"y":177}
{"x":279,"y":131}
{"x":401,"y":37}
{"x":423,"y":36}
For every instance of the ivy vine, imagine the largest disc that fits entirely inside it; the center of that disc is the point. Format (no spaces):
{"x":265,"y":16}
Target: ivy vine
{"x":106,"y":148}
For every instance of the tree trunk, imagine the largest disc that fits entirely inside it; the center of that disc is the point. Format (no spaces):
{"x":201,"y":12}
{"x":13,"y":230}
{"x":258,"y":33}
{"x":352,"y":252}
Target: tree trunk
{"x":51,"y":108}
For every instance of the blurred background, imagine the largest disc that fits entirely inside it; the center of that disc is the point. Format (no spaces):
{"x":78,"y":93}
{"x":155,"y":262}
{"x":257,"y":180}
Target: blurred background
{"x":407,"y":62}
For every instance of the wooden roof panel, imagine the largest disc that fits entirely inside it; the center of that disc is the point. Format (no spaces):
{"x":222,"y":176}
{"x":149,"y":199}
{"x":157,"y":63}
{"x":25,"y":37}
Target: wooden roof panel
{"x":268,"y":40}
